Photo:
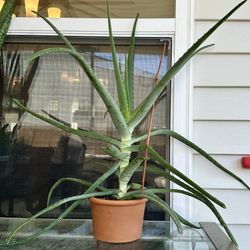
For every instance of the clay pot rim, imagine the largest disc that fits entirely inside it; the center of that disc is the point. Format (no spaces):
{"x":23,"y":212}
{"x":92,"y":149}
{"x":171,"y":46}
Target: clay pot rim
{"x":119,"y":203}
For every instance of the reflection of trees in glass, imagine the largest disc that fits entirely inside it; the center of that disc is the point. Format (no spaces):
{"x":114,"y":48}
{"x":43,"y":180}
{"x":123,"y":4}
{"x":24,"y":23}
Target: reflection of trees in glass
{"x":13,"y":82}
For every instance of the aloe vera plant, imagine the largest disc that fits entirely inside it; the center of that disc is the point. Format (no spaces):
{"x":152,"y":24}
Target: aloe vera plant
{"x":126,"y":118}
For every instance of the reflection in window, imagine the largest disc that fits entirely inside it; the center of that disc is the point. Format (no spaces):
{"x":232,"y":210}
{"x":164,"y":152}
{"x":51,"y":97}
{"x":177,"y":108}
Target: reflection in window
{"x":96,"y":8}
{"x":36,"y":154}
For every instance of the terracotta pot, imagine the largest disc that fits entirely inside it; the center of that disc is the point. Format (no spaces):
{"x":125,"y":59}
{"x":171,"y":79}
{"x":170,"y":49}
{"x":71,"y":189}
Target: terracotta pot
{"x":117,"y":221}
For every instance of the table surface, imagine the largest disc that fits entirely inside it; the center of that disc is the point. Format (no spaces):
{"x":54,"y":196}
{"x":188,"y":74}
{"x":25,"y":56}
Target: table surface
{"x":72,"y":234}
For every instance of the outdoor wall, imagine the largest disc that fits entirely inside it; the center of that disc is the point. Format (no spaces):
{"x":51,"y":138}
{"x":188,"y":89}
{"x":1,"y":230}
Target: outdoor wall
{"x":221,"y":112}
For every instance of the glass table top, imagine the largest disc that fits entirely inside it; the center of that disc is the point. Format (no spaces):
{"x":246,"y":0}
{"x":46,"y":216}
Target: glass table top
{"x":74,"y":234}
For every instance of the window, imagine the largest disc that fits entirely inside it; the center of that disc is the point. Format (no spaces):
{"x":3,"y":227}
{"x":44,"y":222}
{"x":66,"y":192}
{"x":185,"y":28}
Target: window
{"x":56,"y":86}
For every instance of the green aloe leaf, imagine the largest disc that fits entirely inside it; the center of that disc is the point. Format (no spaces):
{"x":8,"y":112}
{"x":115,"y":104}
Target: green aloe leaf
{"x":115,"y":152}
{"x":6,"y":11}
{"x":47,"y":228}
{"x":4,"y":29}
{"x":148,"y":102}
{"x":70,"y":179}
{"x":5,"y":19}
{"x":126,"y":86}
{"x":128,"y":172}
{"x":193,"y":146}
{"x":130,"y":67}
{"x":187,"y":223}
{"x":59,"y":33}
{"x":104,"y":177}
{"x":114,"y":111}
{"x":119,"y":85}
{"x":81,"y":133}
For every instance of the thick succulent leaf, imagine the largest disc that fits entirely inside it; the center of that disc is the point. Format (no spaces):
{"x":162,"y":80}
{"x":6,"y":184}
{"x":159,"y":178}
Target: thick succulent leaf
{"x":6,"y":11}
{"x":5,"y":19}
{"x":130,"y":66}
{"x":126,"y":86}
{"x":160,"y":191}
{"x":81,"y":133}
{"x":59,"y":33}
{"x":70,"y":179}
{"x":104,"y":177}
{"x":128,"y":172}
{"x":108,"y":100}
{"x":115,"y":152}
{"x":47,"y":228}
{"x":119,"y":85}
{"x":4,"y":29}
{"x":193,"y":146}
{"x":187,"y":223}
{"x":43,"y":52}
{"x":203,"y":48}
{"x":148,"y":102}
{"x":135,"y":186}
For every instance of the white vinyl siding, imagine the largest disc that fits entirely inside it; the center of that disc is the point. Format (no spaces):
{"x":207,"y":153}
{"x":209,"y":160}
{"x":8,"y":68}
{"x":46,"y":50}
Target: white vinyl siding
{"x":221,"y":112}
{"x":219,"y":70}
{"x":214,"y":9}
{"x":231,"y":103}
{"x":223,"y":137}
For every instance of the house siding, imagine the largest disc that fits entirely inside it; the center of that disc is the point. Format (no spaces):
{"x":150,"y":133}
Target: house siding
{"x":221,"y":112}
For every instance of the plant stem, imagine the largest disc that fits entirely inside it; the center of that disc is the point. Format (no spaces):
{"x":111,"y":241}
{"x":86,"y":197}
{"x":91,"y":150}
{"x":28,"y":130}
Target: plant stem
{"x":125,"y":148}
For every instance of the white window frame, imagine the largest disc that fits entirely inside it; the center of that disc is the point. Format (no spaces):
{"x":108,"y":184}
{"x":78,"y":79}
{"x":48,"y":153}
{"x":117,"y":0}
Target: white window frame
{"x":93,"y":27}
{"x":179,"y":29}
